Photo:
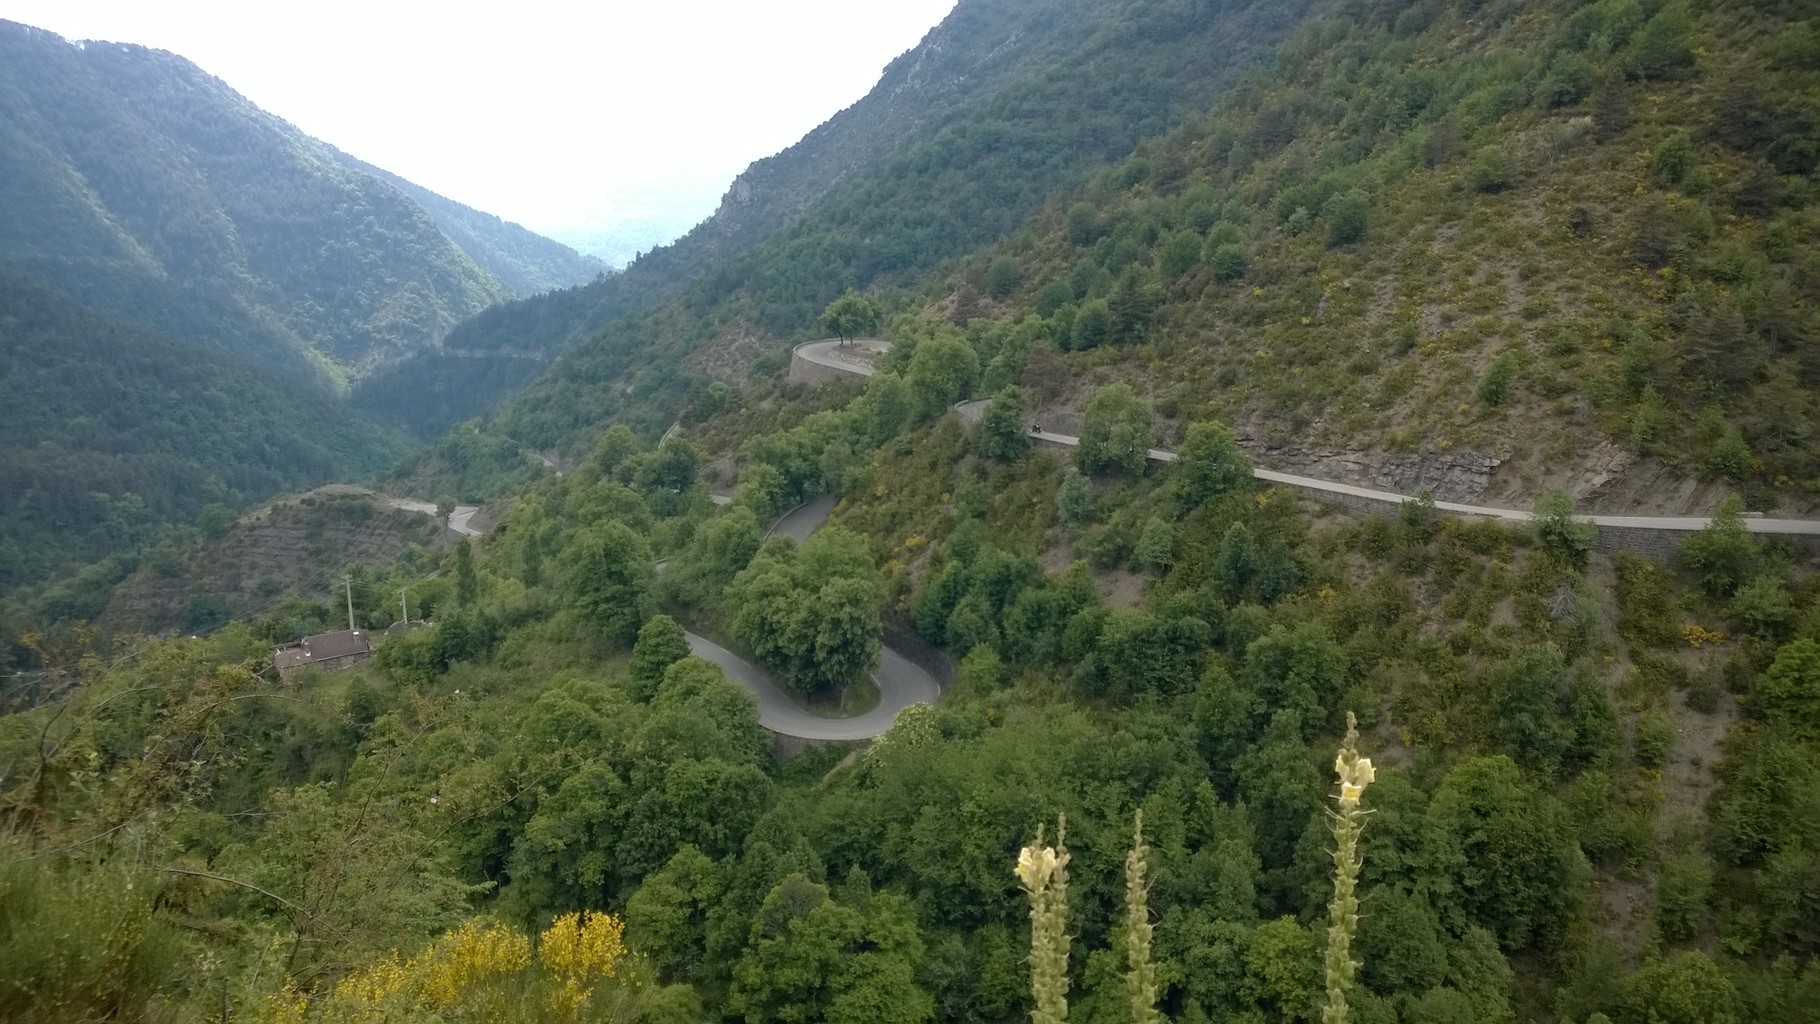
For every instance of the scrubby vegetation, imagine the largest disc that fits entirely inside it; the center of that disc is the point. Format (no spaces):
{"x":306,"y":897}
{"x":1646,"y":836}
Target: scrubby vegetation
{"x":1424,"y":225}
{"x":1551,"y":233}
{"x":1589,"y":793}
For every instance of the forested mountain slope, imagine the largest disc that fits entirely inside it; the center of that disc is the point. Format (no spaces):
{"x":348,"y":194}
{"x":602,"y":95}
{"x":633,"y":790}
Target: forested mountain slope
{"x":147,"y":189}
{"x":185,"y":281}
{"x":523,"y":260}
{"x":114,"y":433}
{"x":1492,"y":250}
{"x":1002,"y":105}
{"x":1484,"y":251}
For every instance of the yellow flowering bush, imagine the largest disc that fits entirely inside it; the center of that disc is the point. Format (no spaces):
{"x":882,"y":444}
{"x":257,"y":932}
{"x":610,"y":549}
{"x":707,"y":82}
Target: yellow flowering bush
{"x":477,"y":972}
{"x":583,"y":946}
{"x":471,"y":956}
{"x":1697,"y":636}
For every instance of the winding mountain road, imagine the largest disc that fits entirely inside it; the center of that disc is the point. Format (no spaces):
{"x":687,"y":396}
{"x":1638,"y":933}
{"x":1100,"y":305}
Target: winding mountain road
{"x":901,"y":682}
{"x":971,"y":411}
{"x":854,"y":356}
{"x":459,"y":520}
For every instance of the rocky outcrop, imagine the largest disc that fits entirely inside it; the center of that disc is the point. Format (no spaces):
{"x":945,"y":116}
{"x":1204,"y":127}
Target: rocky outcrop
{"x":1461,"y":476}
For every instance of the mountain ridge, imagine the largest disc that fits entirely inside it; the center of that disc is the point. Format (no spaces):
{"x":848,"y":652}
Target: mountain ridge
{"x":946,"y":167}
{"x":147,"y":188}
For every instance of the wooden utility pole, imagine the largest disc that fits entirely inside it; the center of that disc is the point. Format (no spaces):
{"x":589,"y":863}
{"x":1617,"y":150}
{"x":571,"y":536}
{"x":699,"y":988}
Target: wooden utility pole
{"x":403,"y":608}
{"x":348,"y":579}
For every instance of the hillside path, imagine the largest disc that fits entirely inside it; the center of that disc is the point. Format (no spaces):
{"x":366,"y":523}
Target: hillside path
{"x":971,"y":411}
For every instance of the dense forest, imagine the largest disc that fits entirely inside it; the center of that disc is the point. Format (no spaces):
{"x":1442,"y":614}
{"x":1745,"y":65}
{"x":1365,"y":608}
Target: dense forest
{"x":1572,"y":237}
{"x":964,"y":138}
{"x":148,"y":190}
{"x":524,"y":261}
{"x":1590,"y":768}
{"x":186,"y":285}
{"x":116,"y":434}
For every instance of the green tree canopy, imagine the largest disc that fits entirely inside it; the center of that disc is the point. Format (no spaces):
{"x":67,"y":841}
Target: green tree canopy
{"x":811,"y":613}
{"x":1115,"y":433}
{"x":1001,"y":433}
{"x":1723,"y":554}
{"x":943,"y":371}
{"x":853,"y":315}
{"x":1209,"y":464}
{"x":661,"y":643}
{"x":1509,"y":851}
{"x":813,"y":959}
{"x":1687,"y":988}
{"x":1789,"y":690}
{"x":608,"y":575}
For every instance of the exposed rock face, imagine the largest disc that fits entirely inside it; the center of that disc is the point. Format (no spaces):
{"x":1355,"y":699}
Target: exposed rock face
{"x":1461,"y":476}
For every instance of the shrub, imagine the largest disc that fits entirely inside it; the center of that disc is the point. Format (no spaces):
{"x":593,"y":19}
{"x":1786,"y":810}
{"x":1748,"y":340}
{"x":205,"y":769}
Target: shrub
{"x":1764,"y":607}
{"x":1729,"y":457}
{"x":1227,"y":262}
{"x":1002,"y":277}
{"x":1672,"y":161}
{"x":1053,"y":296}
{"x":1682,"y":890}
{"x":1559,"y":532}
{"x":1660,"y":46}
{"x":1570,"y":79}
{"x":1491,"y":171}
{"x":1495,"y":386}
{"x":1789,"y":691}
{"x":1724,"y":553}
{"x":1649,"y":423}
{"x":1346,"y":214}
{"x":1655,"y":739}
{"x":1181,"y":252}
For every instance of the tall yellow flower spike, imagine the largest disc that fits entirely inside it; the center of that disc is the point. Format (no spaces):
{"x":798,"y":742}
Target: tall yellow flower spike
{"x":1044,"y":873}
{"x":1034,"y":866}
{"x":1355,"y":774}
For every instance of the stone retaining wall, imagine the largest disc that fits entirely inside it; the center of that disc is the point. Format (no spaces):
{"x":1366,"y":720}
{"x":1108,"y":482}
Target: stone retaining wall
{"x":802,"y":371}
{"x":805,"y":371}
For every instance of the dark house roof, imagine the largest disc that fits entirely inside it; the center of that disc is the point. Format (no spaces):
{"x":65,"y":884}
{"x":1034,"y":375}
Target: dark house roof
{"x":323,"y":648}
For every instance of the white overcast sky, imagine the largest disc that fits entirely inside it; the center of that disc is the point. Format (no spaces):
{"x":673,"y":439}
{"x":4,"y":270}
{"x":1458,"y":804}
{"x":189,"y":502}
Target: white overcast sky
{"x":559,"y":115}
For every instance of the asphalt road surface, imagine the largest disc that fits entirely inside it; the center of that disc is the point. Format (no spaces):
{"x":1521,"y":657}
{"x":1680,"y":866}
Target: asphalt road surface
{"x":801,"y":521}
{"x":855,"y":356}
{"x":901,"y":682}
{"x":971,"y":412}
{"x":458,"y":520}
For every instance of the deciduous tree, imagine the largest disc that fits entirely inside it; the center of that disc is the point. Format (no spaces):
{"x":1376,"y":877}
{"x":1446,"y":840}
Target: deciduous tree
{"x":1115,"y":433}
{"x":608,"y":575}
{"x":853,"y":315}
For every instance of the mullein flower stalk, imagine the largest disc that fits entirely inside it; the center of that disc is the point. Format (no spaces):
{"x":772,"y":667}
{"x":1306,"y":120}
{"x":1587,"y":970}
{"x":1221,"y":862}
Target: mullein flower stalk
{"x":1140,"y":975}
{"x":1355,"y":774}
{"x":1043,"y":871}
